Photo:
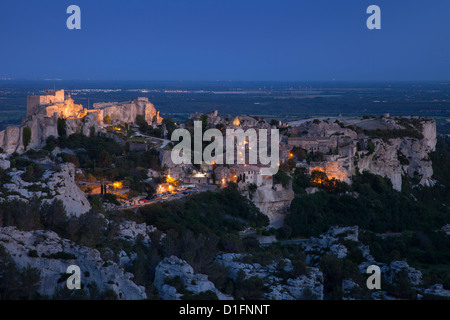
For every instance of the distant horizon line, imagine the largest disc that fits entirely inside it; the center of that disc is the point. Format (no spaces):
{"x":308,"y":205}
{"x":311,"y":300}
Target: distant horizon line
{"x":212,"y":81}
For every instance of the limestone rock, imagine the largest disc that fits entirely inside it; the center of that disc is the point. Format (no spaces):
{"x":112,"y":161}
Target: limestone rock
{"x":165,"y":158}
{"x":107,"y":274}
{"x":5,"y":164}
{"x":339,"y":250}
{"x":130,"y":230}
{"x":273,"y":203}
{"x":127,"y":111}
{"x":385,"y":159}
{"x":348,"y":285}
{"x":309,"y":286}
{"x":304,"y":287}
{"x":315,"y":247}
{"x":196,"y":283}
{"x":12,"y":140}
{"x":58,"y":185}
{"x":395,"y":267}
{"x":63,"y":186}
{"x":438,"y":290}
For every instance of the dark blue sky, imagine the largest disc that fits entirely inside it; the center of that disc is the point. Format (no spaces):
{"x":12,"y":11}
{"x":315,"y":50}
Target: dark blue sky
{"x":226,"y":40}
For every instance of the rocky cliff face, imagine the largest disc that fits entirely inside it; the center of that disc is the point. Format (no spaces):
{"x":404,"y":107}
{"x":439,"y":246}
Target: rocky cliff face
{"x":11,"y":139}
{"x":308,"y":285}
{"x":127,"y":112}
{"x":130,"y":231}
{"x":273,"y":202}
{"x":43,"y":127}
{"x":63,"y":185}
{"x":165,"y":157}
{"x":106,"y":274}
{"x":403,"y":156}
{"x":59,"y":185}
{"x":391,"y":158}
{"x":43,"y":124}
{"x":173,"y":267}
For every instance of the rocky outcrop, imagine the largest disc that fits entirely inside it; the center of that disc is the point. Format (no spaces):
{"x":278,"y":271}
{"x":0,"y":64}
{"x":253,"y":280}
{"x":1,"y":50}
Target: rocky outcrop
{"x":273,"y":202}
{"x":385,"y":161}
{"x":403,"y":156}
{"x":329,"y":242}
{"x":391,"y":272}
{"x":11,"y":139}
{"x":306,"y":286}
{"x":43,"y":114}
{"x":389,"y":157}
{"x":59,"y":185}
{"x":52,"y":255}
{"x":127,"y":111}
{"x":130,"y":230}
{"x":41,"y":127}
{"x":63,"y":187}
{"x":194,"y":283}
{"x":4,"y":164}
{"x":437,"y":290}
{"x":165,"y":158}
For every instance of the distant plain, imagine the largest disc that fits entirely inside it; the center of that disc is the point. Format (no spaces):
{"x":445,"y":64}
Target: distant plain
{"x":271,"y":100}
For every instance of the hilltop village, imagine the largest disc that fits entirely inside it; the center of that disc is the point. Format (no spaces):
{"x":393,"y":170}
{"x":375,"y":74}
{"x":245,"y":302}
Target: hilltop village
{"x":338,"y":147}
{"x":110,"y":167}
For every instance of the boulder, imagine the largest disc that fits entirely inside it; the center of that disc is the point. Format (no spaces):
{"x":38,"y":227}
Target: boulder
{"x":63,"y":187}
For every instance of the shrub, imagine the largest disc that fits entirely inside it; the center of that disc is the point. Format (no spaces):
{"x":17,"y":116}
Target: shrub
{"x":60,"y":255}
{"x":26,"y":136}
{"x":107,"y":119}
{"x":62,"y":127}
{"x":33,"y":254}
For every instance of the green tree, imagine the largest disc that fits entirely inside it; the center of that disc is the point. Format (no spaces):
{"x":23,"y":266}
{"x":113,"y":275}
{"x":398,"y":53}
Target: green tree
{"x":370,"y":146}
{"x":274,"y":122}
{"x":62,"y":127}
{"x":26,"y":136}
{"x":204,"y":120}
{"x":53,"y":215}
{"x":170,"y":126}
{"x":107,"y":119}
{"x":104,"y":159}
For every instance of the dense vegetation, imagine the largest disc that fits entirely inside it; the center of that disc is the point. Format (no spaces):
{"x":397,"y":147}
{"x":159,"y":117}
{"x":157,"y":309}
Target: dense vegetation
{"x":416,"y":215}
{"x":103,"y":158}
{"x":377,"y":208}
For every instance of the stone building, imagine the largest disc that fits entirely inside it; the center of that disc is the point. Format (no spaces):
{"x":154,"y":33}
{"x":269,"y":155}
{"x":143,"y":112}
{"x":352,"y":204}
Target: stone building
{"x":248,"y":174}
{"x":54,"y":102}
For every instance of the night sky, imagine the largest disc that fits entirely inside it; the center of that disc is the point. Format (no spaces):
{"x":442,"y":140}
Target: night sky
{"x":226,"y":40}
